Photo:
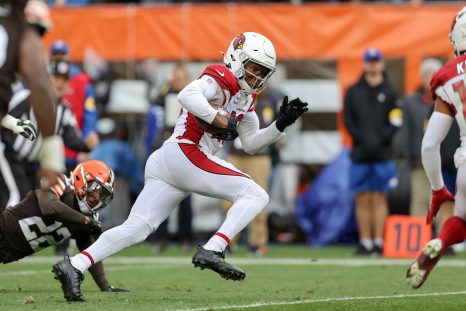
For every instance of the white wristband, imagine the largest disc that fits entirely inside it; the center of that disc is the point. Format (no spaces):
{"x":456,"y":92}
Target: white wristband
{"x":11,"y":123}
{"x":52,"y":154}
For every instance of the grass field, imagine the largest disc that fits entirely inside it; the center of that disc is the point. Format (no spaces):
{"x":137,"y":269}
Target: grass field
{"x":287,"y":278}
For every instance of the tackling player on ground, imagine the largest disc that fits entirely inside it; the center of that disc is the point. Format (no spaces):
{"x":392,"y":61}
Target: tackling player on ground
{"x":448,"y":87}
{"x":46,"y":217}
{"x":186,"y":162}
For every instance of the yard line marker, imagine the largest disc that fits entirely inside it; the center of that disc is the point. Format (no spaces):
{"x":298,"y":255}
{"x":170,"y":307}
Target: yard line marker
{"x":309,"y":301}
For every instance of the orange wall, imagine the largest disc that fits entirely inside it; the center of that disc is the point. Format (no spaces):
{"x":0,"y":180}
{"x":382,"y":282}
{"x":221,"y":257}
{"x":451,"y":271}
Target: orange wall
{"x":317,"y":31}
{"x":199,"y":32}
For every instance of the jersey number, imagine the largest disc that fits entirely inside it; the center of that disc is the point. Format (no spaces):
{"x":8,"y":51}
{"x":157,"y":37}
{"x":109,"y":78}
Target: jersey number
{"x":39,"y":235}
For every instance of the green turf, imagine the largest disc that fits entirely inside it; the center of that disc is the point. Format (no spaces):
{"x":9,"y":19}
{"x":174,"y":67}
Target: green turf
{"x":173,"y":284}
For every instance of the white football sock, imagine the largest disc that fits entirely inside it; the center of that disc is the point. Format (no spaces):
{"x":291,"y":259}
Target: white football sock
{"x":81,"y":262}
{"x":216,"y":244}
{"x":378,"y":242}
{"x":367,"y":243}
{"x":134,"y":230}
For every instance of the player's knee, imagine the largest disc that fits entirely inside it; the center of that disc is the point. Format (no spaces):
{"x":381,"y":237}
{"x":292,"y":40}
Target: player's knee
{"x":137,"y":229}
{"x":260,"y":194}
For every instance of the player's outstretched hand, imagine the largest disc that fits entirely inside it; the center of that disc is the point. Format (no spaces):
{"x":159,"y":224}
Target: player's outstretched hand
{"x":438,"y":198}
{"x":114,"y":289}
{"x":290,"y":112}
{"x":94,"y":226}
{"x":229,"y":133}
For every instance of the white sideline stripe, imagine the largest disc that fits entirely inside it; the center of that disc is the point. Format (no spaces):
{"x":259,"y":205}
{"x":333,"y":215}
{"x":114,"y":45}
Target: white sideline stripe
{"x":344,"y":262}
{"x":308,"y":301}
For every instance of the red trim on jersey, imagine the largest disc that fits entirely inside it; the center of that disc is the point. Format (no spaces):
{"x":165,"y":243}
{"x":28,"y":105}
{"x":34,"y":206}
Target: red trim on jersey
{"x":193,"y":132}
{"x":199,"y":159}
{"x":88,"y":256}
{"x":252,"y":107}
{"x":223,"y":237}
{"x":447,"y":72}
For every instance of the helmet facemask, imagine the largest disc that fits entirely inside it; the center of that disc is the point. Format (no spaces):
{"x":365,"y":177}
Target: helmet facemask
{"x":93,"y":191}
{"x":260,"y":81}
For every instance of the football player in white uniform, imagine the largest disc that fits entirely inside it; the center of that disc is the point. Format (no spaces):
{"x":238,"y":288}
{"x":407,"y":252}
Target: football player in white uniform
{"x":186,"y":163}
{"x":448,"y":87}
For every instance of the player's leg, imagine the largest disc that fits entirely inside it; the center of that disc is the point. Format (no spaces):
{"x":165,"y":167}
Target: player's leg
{"x":153,"y":205}
{"x":383,"y":179}
{"x":196,"y":172}
{"x":359,"y":183}
{"x":453,"y":231}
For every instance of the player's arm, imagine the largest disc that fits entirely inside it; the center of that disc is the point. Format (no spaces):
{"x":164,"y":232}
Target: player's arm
{"x":437,"y":129}
{"x":33,"y":67}
{"x":254,"y":139}
{"x":195,"y":98}
{"x":51,"y":206}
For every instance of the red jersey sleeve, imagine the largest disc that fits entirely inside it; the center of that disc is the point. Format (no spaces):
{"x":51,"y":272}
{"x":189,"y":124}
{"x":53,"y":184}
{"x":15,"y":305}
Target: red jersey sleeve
{"x":223,"y":76}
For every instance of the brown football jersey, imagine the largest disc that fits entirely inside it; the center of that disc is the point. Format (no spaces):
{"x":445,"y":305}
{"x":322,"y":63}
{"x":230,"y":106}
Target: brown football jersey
{"x":44,"y":218}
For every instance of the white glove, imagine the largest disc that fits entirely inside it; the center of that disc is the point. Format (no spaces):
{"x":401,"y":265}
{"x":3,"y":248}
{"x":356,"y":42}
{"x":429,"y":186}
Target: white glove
{"x":22,"y":127}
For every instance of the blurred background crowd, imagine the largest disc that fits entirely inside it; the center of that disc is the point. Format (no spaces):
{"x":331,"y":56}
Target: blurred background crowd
{"x":120,"y":109}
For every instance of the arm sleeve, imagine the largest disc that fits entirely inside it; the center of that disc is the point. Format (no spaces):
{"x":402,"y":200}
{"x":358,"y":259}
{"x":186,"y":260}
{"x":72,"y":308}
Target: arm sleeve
{"x":254,"y":139}
{"x":51,"y":206}
{"x":196,"y":95}
{"x":437,"y":129}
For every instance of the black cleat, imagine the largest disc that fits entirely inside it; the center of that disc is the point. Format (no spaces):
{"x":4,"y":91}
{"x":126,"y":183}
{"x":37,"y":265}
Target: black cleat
{"x":216,"y":261}
{"x":70,"y":279}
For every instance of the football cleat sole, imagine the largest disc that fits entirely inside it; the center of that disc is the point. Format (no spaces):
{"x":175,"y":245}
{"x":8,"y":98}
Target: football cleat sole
{"x":424,"y":263}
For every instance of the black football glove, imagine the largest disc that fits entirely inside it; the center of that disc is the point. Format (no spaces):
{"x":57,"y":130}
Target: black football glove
{"x":290,"y":112}
{"x":95,"y":226}
{"x":229,"y":133}
{"x":114,"y":289}
{"x":28,"y":129}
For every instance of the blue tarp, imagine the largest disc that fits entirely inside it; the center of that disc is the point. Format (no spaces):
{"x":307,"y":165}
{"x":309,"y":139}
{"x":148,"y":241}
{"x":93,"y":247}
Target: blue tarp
{"x":325,"y":211}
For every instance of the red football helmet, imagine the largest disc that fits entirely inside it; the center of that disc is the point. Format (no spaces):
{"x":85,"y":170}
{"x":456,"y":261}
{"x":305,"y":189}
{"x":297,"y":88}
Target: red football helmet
{"x":94,"y":182}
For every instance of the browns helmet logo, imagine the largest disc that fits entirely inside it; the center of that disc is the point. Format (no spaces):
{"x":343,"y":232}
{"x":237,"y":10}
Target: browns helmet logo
{"x":239,"y":41}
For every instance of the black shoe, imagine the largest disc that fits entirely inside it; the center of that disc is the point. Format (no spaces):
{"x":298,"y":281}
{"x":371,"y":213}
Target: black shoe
{"x":216,"y":261}
{"x":377,"y":250}
{"x":70,"y":279}
{"x":361,"y":250}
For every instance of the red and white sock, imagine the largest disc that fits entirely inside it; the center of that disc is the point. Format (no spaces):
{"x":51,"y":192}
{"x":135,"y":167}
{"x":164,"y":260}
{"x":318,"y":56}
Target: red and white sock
{"x":82,"y":261}
{"x":217,"y":243}
{"x":453,"y":232}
